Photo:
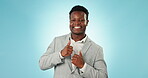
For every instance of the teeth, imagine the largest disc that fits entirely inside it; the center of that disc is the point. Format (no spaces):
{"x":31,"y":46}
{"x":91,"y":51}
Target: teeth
{"x":77,"y":27}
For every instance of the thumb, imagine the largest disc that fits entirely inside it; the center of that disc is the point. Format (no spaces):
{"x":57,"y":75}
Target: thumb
{"x":69,"y":42}
{"x":80,"y":54}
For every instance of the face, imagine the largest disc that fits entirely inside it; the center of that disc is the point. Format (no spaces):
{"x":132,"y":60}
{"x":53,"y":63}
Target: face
{"x":78,"y":22}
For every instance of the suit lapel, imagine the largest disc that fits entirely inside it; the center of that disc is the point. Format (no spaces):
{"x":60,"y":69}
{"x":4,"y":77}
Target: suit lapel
{"x":86,"y":46}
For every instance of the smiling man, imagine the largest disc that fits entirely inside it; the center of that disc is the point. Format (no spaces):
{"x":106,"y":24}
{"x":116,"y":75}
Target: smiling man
{"x":74,"y":55}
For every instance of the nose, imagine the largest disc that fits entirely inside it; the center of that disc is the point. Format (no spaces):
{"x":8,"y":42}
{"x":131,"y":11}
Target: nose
{"x":77,"y":23}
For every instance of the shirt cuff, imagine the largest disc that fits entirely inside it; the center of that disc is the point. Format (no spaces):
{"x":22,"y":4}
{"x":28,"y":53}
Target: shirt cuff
{"x":83,"y":68}
{"x":61,"y":57}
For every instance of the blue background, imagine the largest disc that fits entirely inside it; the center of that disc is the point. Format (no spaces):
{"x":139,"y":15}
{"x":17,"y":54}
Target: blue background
{"x":27,"y":27}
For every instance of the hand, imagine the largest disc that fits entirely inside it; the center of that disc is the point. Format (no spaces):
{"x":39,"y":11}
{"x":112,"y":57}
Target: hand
{"x":67,"y":51}
{"x":77,"y":60}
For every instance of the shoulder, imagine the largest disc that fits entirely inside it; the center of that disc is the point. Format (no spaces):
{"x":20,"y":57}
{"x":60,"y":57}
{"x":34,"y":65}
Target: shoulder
{"x":97,"y":49}
{"x":95,"y":45}
{"x":62,"y":36}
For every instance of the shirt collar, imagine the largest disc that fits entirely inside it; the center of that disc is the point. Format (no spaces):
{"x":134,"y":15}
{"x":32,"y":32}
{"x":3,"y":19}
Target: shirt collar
{"x":81,"y":41}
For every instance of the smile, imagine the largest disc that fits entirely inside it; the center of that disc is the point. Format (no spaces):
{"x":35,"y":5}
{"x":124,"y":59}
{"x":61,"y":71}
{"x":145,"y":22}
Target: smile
{"x":76,"y":27}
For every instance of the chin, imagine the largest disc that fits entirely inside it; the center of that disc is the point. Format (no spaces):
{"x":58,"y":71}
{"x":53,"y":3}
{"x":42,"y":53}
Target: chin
{"x":77,"y":33}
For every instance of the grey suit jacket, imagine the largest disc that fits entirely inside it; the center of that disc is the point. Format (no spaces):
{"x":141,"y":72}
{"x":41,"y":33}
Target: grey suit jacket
{"x":92,"y":55}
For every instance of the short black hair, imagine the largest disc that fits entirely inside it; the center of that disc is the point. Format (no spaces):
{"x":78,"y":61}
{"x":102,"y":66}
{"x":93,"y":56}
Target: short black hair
{"x":79,"y":8}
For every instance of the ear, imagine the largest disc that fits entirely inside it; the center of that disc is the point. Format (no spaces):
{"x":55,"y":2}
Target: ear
{"x":87,"y":22}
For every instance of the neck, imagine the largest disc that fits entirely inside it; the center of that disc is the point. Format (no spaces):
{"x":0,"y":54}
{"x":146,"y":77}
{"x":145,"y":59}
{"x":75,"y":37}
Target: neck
{"x":78,"y":37}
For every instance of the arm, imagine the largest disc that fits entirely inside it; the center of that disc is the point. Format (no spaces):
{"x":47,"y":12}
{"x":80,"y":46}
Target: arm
{"x":50,"y":58}
{"x":99,"y":69}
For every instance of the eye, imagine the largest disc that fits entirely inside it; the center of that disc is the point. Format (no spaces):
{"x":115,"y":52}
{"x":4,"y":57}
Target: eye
{"x":72,"y":20}
{"x":82,"y":20}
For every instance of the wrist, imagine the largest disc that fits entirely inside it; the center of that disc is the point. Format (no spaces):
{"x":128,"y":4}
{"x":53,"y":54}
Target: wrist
{"x":83,"y":68}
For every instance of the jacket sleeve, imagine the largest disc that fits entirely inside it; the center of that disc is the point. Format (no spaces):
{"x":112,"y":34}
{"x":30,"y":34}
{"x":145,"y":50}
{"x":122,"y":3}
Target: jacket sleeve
{"x":50,"y":58}
{"x":98,"y":70}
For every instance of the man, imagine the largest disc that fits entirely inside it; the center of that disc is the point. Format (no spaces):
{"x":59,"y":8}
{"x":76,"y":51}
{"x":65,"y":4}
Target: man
{"x":74,"y":55}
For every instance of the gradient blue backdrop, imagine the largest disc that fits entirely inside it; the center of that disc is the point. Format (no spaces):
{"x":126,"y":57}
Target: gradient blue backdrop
{"x":27,"y":27}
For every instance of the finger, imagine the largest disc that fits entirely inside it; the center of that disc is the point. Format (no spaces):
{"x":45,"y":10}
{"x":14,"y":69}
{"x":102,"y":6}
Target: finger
{"x":80,"y":54}
{"x":70,"y":47}
{"x":75,"y":55}
{"x":70,"y":50}
{"x":69,"y":42}
{"x":74,"y":59}
{"x":72,"y":62}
